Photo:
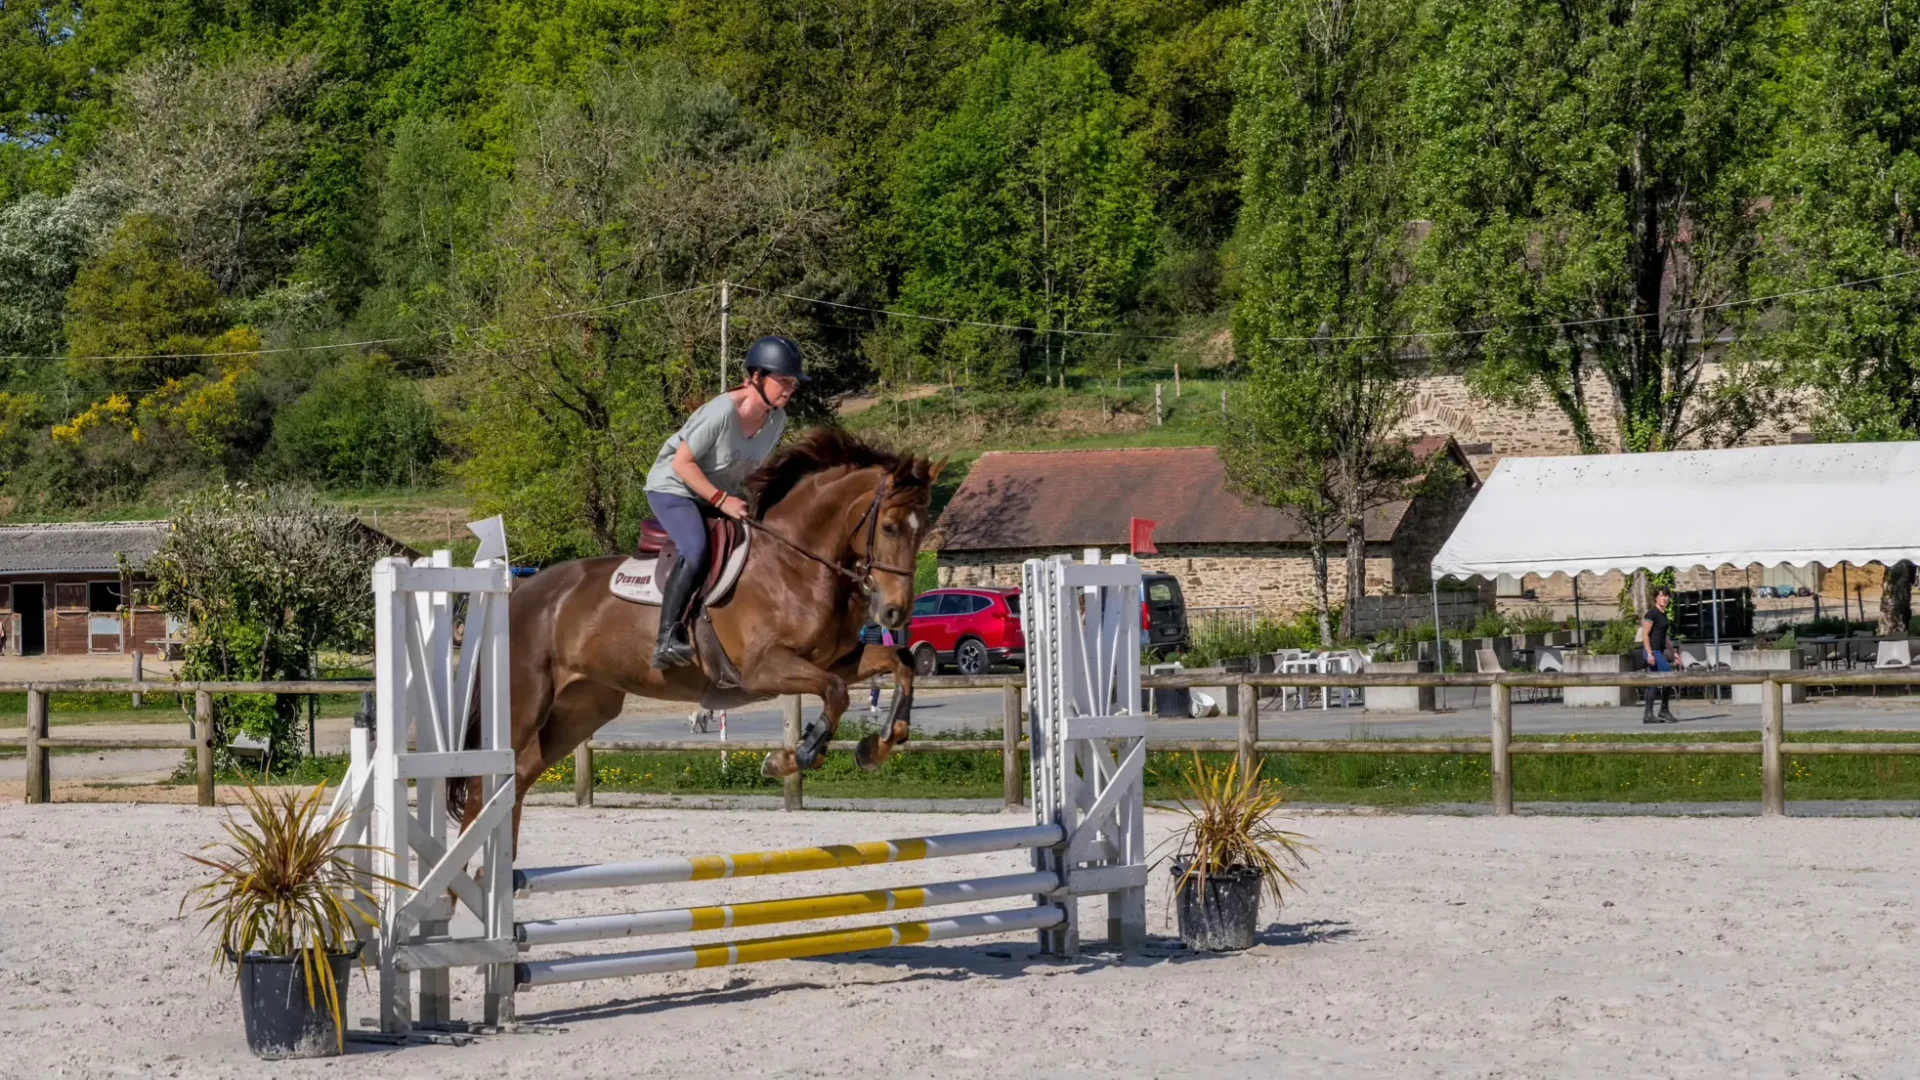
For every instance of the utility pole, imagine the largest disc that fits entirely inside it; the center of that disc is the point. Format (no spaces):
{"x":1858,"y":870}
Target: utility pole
{"x":726,"y":311}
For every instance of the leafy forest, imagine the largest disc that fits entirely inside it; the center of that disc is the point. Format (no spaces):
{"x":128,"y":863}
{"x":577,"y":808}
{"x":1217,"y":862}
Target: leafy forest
{"x":368,"y":245}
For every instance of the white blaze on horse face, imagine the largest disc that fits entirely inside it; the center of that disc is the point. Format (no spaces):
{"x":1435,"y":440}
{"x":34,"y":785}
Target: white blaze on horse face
{"x":913,"y":523}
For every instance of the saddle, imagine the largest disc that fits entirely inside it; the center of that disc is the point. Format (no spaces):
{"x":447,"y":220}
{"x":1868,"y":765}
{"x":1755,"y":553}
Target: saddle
{"x":723,"y":535}
{"x":638,"y":578}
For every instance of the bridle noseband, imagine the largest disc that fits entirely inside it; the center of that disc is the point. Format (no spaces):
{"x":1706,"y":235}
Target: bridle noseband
{"x":864,"y":567}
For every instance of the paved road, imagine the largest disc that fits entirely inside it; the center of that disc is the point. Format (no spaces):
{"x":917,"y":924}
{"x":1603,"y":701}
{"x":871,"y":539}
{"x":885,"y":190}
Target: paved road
{"x":1465,"y":714}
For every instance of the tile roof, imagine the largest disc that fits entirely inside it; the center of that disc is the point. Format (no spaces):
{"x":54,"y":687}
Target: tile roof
{"x":1072,"y":498}
{"x":78,"y":546}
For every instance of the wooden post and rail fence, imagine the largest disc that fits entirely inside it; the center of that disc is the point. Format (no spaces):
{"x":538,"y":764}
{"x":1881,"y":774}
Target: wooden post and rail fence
{"x":1247,"y":745}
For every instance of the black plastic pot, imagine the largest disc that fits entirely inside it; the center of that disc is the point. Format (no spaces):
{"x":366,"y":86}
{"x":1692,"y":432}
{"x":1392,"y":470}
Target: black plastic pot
{"x":1222,"y":916}
{"x":274,"y":1004}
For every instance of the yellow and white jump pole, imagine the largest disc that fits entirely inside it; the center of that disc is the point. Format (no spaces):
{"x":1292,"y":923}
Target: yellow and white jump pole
{"x":783,"y":947}
{"x":799,"y":909}
{"x":791,"y":861}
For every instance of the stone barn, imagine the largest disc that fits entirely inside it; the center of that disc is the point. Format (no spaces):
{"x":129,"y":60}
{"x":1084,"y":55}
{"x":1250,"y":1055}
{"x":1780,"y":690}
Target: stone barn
{"x":1018,"y":505}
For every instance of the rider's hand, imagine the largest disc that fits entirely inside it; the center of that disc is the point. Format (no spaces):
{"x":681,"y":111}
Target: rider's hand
{"x":734,"y":507}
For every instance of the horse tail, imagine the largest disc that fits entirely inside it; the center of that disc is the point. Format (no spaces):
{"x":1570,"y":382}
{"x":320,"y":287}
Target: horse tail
{"x":464,"y":791}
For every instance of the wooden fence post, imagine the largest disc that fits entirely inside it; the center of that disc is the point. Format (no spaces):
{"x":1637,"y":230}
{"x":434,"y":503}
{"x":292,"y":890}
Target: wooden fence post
{"x":1249,"y":726}
{"x":1012,"y":777}
{"x":39,"y":756}
{"x":793,"y":784}
{"x":203,"y":744}
{"x":583,"y":774}
{"x":1773,"y":779}
{"x":1502,"y":696}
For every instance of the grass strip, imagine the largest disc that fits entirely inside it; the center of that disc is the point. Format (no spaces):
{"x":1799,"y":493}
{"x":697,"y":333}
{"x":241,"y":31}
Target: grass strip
{"x":1369,"y":779}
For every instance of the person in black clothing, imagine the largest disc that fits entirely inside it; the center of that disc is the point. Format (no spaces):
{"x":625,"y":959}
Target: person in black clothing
{"x":1658,"y":648}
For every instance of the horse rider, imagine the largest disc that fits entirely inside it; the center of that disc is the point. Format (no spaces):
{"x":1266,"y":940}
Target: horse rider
{"x":702,"y":468}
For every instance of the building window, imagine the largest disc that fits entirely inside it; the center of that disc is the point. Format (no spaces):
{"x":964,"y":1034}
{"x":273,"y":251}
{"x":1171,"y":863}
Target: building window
{"x":1506,"y":585}
{"x":103,"y":596}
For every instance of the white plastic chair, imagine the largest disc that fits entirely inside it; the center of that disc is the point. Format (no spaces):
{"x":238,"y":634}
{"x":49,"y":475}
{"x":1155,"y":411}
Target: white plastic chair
{"x":1549,"y":658}
{"x":1892,"y":656}
{"x":1300,"y":665}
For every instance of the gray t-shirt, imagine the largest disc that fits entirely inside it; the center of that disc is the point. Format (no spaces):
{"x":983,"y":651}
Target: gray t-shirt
{"x":722,"y":450}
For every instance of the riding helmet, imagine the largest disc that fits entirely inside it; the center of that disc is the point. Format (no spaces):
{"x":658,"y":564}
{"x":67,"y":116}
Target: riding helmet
{"x":776,"y":355}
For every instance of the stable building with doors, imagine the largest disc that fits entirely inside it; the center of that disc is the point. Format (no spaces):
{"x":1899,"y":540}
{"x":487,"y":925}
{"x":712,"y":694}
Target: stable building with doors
{"x":64,"y":594}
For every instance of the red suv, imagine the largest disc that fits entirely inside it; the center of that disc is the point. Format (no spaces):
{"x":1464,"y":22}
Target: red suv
{"x":970,"y":629}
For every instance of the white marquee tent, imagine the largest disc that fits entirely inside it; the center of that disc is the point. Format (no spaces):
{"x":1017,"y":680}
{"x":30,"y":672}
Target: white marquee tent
{"x":1771,"y":505}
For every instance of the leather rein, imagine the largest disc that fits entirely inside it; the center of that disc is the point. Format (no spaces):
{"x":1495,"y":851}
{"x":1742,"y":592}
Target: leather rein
{"x":863,"y":568}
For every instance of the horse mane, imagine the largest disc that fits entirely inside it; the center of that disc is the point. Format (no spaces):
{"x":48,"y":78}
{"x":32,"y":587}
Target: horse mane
{"x":822,"y":449}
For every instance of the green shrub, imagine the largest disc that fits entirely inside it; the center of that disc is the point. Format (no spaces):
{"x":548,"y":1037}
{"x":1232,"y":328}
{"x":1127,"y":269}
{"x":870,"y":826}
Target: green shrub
{"x":1533,"y":620}
{"x":1620,"y":637}
{"x":1216,"y":640}
{"x":1489,"y":624}
{"x":359,"y":426}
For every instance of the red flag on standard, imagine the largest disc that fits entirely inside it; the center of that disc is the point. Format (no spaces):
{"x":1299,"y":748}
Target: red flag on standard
{"x":1141,"y":540}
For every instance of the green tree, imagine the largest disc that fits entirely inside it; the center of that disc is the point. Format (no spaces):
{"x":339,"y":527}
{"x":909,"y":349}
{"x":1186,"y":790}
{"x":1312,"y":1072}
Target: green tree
{"x":44,"y":240}
{"x":1028,"y":203}
{"x":1589,"y":164}
{"x":1846,"y":182}
{"x":208,"y":149}
{"x":1276,"y":453}
{"x":264,"y":580}
{"x":136,"y":300}
{"x":648,"y":183}
{"x":856,"y":81}
{"x":1325,"y":247}
{"x":435,"y":197}
{"x":1173,"y":62}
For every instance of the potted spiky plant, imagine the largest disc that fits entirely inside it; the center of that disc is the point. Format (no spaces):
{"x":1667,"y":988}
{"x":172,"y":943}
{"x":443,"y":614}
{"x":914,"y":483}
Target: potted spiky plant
{"x":1228,"y":854}
{"x":288,"y":906}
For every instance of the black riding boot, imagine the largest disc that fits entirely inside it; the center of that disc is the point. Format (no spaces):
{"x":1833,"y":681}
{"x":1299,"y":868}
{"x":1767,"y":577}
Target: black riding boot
{"x":1647,"y":716}
{"x":674,"y":648}
{"x":1666,"y":706}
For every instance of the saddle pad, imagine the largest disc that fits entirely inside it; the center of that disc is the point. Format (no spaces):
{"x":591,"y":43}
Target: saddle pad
{"x":634,"y":579}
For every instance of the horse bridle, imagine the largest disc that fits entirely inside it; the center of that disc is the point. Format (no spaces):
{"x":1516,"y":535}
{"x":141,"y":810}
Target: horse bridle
{"x":864,"y":567}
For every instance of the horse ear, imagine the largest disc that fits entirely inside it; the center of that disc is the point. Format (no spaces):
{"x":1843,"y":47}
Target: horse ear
{"x":933,"y":470}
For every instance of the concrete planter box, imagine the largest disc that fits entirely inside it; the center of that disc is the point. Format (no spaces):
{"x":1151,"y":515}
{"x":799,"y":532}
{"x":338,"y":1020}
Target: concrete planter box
{"x":1400,"y":698}
{"x":1228,"y":696}
{"x":1526,"y":641}
{"x":1560,"y":638}
{"x":1456,"y":653}
{"x":1595,"y":697}
{"x":1768,"y":660}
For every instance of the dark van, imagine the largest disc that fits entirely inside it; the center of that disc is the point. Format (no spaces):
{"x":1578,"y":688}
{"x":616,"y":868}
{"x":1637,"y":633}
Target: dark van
{"x":1163,"y":613}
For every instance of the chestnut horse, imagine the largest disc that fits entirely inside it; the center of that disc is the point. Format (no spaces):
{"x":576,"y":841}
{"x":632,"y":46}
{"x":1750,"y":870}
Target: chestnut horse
{"x":852,"y":517}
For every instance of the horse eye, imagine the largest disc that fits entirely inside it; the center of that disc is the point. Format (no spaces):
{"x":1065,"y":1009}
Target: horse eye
{"x":890,"y":529}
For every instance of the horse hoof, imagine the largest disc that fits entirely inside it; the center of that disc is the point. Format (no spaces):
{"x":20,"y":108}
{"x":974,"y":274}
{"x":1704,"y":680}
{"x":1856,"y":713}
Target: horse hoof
{"x":778,"y":766}
{"x":864,"y":755}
